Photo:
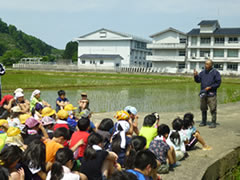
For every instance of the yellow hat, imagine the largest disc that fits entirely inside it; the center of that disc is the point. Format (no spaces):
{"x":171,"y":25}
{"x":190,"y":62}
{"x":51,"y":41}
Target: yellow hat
{"x":122,"y":115}
{"x":69,"y":107}
{"x":13,"y":131}
{"x":24,"y":117}
{"x":83,"y":94}
{"x":47,"y":111}
{"x":3,"y":121}
{"x":62,"y":114}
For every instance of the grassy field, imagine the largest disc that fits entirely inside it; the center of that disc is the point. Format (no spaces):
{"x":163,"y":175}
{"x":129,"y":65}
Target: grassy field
{"x":54,"y":80}
{"x":47,"y":79}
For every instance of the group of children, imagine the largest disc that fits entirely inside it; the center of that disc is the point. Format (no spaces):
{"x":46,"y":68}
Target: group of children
{"x":38,"y":142}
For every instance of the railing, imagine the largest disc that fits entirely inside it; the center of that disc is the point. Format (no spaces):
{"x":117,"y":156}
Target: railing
{"x":166,"y":46}
{"x":166,"y":58}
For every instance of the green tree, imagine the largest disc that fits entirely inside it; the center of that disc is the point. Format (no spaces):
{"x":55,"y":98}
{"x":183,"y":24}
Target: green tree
{"x":3,"y":27}
{"x":71,"y":50}
{"x":11,"y":56}
{"x":3,"y":48}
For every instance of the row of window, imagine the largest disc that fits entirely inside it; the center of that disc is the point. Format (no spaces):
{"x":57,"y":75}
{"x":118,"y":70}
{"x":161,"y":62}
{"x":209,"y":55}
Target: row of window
{"x":219,"y":66}
{"x":93,"y":62}
{"x":140,"y":45}
{"x":217,"y":40}
{"x":216,"y":53}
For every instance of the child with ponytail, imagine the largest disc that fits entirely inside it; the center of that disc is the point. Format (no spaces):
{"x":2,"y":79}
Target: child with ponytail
{"x":97,"y":163}
{"x":61,"y":168}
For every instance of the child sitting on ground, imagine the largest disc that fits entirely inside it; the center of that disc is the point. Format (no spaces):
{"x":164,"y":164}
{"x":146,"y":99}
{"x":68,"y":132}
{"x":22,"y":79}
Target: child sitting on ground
{"x":61,"y":168}
{"x":144,"y":164}
{"x":61,"y":101}
{"x":177,"y":140}
{"x":97,"y":163}
{"x":86,"y":113}
{"x":82,"y":133}
{"x":71,"y":120}
{"x":62,"y":116}
{"x":48,"y":124}
{"x":36,"y":98}
{"x":105,"y":129}
{"x":149,"y":128}
{"x":132,"y":111}
{"x":33,"y":130}
{"x":120,"y":140}
{"x":164,"y":153}
{"x":138,"y":143}
{"x":84,"y":102}
{"x":192,"y":134}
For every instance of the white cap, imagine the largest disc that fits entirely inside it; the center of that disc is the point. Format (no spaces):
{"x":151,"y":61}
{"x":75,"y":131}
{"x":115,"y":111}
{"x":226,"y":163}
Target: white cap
{"x":131,"y":109}
{"x":19,"y":94}
{"x":18,"y":90}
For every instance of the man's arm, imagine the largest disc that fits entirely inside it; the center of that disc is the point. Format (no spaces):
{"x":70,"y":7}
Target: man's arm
{"x":217,"y":82}
{"x":197,"y":78}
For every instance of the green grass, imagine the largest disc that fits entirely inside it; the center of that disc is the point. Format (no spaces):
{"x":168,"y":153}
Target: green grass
{"x":54,"y":80}
{"x":233,"y":174}
{"x":43,"y":79}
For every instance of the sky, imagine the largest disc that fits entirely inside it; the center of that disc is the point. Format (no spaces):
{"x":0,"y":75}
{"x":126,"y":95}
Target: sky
{"x":59,"y":21}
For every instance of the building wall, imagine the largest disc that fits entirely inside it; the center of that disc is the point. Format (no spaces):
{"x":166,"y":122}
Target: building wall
{"x":121,"y":48}
{"x":207,"y":29}
{"x":168,"y":37}
{"x":103,"y":34}
{"x":165,"y":52}
{"x":166,"y":67}
{"x":95,"y":64}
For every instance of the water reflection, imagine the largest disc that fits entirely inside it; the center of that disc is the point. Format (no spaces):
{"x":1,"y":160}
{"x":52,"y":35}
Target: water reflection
{"x":159,"y":98}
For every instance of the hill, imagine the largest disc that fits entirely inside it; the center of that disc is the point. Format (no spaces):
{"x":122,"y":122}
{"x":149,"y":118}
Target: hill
{"x":15,"y":44}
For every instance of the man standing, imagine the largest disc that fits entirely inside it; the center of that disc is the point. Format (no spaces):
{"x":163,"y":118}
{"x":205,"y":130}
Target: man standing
{"x":2,"y":72}
{"x":210,"y":80}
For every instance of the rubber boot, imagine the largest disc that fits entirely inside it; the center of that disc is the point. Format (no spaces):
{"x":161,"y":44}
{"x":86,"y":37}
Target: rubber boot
{"x":204,"y":119}
{"x":214,"y":119}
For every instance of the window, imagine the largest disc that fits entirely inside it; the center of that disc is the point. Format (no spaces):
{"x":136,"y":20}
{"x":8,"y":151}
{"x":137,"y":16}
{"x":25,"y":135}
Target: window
{"x":218,"y":53}
{"x":135,"y":57}
{"x":232,"y":66}
{"x":90,"y":62}
{"x":181,"y":65}
{"x":232,"y":53}
{"x":201,"y":65}
{"x":205,"y":40}
{"x":83,"y":61}
{"x":140,"y":63}
{"x":204,"y":53}
{"x":192,"y":65}
{"x":183,"y":40}
{"x":194,"y":40}
{"x":101,"y":61}
{"x":103,"y":34}
{"x":193,"y":53}
{"x":117,"y":65}
{"x":219,"y":40}
{"x":218,"y":66}
{"x":181,"y":53}
{"x":93,"y":62}
{"x":232,"y":40}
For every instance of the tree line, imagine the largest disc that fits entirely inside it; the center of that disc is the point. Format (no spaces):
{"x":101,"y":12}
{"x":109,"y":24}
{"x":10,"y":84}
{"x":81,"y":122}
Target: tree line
{"x":24,"y":45}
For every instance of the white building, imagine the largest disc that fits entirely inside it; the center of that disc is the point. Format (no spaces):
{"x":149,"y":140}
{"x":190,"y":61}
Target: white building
{"x":222,"y":45}
{"x":107,"y":50}
{"x":168,"y":51}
